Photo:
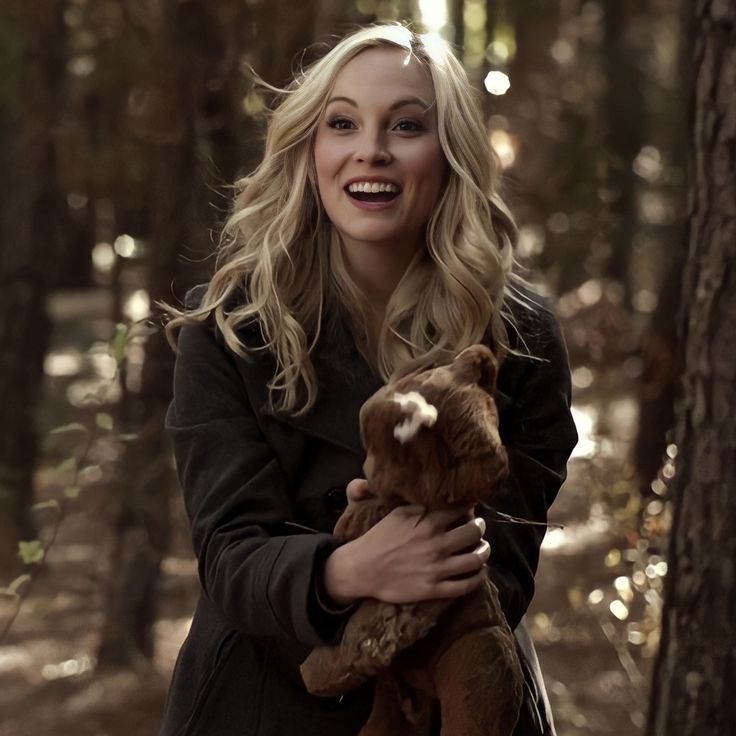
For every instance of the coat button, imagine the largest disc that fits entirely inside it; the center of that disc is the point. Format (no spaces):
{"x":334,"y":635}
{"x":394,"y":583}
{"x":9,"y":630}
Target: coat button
{"x":336,"y":499}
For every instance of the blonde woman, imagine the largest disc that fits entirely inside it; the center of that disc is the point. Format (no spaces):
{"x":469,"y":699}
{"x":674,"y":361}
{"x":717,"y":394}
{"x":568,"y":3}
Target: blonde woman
{"x":370,"y":241}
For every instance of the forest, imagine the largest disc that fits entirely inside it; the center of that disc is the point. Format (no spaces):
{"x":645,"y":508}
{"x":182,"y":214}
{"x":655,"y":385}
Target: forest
{"x":123,"y":127}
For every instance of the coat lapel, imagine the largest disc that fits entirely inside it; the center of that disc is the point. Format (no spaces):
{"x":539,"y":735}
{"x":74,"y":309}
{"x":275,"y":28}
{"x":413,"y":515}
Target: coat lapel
{"x":346,"y":381}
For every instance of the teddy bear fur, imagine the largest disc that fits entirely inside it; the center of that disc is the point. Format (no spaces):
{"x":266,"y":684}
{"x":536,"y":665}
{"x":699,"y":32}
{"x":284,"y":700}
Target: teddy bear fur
{"x":431,"y":439}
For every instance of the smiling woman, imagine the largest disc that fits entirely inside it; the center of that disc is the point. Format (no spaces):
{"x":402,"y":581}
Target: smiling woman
{"x":435,"y":273}
{"x":371,"y":241}
{"x":380,"y":166}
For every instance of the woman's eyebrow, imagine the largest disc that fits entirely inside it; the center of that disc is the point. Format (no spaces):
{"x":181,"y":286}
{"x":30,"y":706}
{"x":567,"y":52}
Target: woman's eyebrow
{"x":399,"y":103}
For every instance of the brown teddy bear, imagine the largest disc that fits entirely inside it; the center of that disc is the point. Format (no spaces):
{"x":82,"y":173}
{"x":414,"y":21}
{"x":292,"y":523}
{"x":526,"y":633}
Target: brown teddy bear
{"x":431,"y":439}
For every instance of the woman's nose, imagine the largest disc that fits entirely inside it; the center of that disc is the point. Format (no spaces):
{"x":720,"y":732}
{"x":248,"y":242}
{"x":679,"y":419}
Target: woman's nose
{"x":372,"y":147}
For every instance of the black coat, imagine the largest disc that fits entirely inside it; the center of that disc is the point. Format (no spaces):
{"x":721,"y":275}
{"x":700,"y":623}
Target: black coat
{"x":250,"y":476}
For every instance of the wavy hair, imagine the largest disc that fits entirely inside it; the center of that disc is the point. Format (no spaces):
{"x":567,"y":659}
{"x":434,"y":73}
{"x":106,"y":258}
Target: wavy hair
{"x":280,"y":261}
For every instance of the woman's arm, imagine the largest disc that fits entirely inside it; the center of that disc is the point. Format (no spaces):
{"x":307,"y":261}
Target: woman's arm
{"x":539,"y":434}
{"x":235,"y":496}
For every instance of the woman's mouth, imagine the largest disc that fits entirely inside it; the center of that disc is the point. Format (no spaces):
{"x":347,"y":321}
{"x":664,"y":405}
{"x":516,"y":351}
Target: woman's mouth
{"x":372,"y":196}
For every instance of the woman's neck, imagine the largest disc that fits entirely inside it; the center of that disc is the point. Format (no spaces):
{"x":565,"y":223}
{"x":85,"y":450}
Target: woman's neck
{"x":377,"y":270}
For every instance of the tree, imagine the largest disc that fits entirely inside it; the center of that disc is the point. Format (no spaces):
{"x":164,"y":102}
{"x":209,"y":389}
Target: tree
{"x":167,"y":131}
{"x":695,"y":672}
{"x":31,"y":219}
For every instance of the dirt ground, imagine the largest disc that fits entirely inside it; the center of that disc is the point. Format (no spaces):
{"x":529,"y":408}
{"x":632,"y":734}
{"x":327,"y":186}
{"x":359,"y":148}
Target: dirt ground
{"x":594,"y":634}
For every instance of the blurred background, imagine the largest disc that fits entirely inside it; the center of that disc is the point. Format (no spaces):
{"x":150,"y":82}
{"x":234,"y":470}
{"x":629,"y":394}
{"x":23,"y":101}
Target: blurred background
{"x":122,"y":124}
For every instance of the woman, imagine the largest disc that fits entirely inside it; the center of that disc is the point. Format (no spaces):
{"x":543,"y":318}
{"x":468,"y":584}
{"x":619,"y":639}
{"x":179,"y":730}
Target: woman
{"x":370,"y":241}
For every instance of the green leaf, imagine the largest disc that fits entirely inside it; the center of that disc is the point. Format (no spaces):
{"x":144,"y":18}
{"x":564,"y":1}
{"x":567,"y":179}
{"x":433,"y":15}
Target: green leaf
{"x":72,"y":491}
{"x":119,"y":342}
{"x":73,"y":427}
{"x":67,"y":467}
{"x":104,"y":421}
{"x":52,"y":503}
{"x":31,"y":552}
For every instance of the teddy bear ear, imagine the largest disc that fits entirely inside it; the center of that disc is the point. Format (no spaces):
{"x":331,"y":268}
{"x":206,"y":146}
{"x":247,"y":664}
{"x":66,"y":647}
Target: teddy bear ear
{"x":477,"y":364}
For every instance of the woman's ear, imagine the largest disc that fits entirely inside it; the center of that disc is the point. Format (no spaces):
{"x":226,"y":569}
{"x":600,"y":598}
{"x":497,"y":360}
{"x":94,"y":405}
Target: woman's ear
{"x":477,"y":364}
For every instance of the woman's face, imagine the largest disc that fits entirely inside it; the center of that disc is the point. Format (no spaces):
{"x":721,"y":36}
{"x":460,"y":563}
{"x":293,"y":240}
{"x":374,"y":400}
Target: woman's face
{"x":379,"y":132}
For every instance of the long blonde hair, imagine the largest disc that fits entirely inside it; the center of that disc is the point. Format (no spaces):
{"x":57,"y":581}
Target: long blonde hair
{"x":281,"y":259}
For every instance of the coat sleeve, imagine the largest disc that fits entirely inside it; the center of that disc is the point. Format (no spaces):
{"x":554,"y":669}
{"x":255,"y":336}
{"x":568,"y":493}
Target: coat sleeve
{"x":235,"y":494}
{"x":539,"y":434}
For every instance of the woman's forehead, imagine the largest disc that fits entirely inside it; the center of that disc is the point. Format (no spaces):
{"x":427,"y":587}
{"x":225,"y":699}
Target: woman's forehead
{"x":384,"y":72}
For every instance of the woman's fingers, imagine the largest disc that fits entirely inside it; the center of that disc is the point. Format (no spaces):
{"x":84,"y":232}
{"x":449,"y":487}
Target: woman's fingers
{"x":413,"y":554}
{"x":357,"y":490}
{"x":470,"y":562}
{"x":467,"y":535}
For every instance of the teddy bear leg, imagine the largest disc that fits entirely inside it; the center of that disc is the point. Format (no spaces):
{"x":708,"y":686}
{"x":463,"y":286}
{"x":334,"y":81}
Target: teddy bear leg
{"x":479,"y":684}
{"x":368,"y":645}
{"x":329,"y":671}
{"x":397,"y":710}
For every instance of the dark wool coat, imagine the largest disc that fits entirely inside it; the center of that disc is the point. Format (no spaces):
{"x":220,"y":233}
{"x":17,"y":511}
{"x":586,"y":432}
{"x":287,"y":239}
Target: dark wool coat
{"x":250,"y":477}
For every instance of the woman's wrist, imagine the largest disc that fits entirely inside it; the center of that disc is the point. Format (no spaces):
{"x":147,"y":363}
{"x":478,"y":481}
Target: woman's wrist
{"x":341,"y":578}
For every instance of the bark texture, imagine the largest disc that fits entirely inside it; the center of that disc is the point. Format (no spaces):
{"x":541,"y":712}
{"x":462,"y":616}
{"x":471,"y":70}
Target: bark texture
{"x":695,"y":675}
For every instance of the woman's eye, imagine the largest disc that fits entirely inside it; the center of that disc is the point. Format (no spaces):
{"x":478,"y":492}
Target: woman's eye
{"x":339,"y":123}
{"x":408,"y":126}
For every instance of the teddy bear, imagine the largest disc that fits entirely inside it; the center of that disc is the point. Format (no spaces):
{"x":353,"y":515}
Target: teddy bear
{"x":431,"y":439}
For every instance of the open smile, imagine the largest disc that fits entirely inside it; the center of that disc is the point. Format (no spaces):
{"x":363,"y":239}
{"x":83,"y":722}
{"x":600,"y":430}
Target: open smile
{"x":372,"y":195}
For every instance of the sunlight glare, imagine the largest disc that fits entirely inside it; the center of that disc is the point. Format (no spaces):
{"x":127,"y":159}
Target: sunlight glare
{"x":62,"y":364}
{"x":138,"y":305}
{"x":503,"y":145}
{"x":498,"y":51}
{"x":124,"y":246}
{"x":497,"y":83}
{"x":433,"y":14}
{"x":585,"y":418}
{"x":619,"y":610}
{"x":67,"y":668}
{"x":103,"y":257}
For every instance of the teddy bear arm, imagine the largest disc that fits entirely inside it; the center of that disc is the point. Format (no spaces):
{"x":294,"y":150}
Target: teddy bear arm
{"x":367,"y":647}
{"x":414,"y":621}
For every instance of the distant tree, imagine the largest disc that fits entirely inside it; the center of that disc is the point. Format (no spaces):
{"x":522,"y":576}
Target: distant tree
{"x":627,"y":129}
{"x":31,"y":214}
{"x":695,"y":673}
{"x":183,"y":47}
{"x":666,"y":87}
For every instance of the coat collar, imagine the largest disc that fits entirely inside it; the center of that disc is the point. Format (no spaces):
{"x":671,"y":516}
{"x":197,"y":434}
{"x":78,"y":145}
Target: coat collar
{"x":346,"y":381}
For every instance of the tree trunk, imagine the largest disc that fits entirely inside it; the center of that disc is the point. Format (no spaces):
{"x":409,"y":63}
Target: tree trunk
{"x":31,"y":210}
{"x":142,"y":526}
{"x":626,"y":132}
{"x":695,"y":674}
{"x":661,"y":351}
{"x":457,"y":20}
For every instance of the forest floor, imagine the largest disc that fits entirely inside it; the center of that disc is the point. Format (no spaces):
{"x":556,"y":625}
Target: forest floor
{"x":595,"y":632}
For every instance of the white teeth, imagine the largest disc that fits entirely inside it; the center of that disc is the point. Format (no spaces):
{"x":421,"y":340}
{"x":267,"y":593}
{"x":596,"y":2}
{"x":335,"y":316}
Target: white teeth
{"x":372,"y":187}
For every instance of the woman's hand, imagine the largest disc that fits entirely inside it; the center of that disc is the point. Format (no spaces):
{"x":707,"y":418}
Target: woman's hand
{"x":410,"y":555}
{"x":357,"y":490}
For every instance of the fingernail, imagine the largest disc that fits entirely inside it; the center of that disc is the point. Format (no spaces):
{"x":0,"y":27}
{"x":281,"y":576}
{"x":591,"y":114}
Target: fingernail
{"x":482,"y":524}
